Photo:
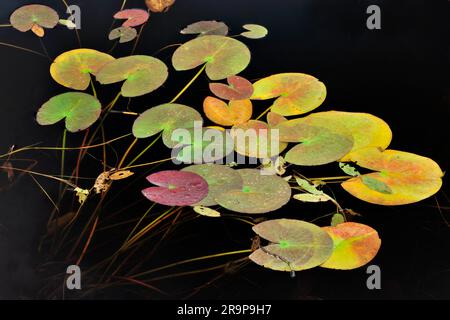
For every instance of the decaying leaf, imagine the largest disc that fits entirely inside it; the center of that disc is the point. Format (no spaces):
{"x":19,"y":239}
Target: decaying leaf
{"x":305,"y":185}
{"x":349,"y":169}
{"x":102,"y":183}
{"x":308,"y":197}
{"x":274,"y":166}
{"x":120,"y":174}
{"x":82,"y":194}
{"x":207,"y":212}
{"x":67,"y":23}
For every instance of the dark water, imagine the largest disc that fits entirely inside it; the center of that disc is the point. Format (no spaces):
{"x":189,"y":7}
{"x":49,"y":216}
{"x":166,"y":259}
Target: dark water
{"x":399,"y":73}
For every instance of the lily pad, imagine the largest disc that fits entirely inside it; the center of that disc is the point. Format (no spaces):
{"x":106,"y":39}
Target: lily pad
{"x":367,"y":130}
{"x":318,"y":145}
{"x":142,"y":74}
{"x":159,"y":5}
{"x":204,"y":28}
{"x":167,"y":118}
{"x":238,"y":88}
{"x":402,"y":177}
{"x":72,"y":69}
{"x":134,"y":17}
{"x":223,"y":56}
{"x":254,"y":139}
{"x":255,"y":31}
{"x":274,"y":119}
{"x":219,"y":178}
{"x":176,"y":188}
{"x":235,"y":112}
{"x":202,"y":145}
{"x":259,"y":194}
{"x":294,"y":245}
{"x":297,"y":93}
{"x":124,"y":34}
{"x":26,"y":17}
{"x":38,"y":30}
{"x":80,"y":110}
{"x":355,"y":245}
{"x":207,"y":212}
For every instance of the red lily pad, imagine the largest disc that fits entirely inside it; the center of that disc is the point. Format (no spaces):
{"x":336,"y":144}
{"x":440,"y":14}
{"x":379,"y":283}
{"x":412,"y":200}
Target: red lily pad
{"x":176,"y":188}
{"x":134,"y":17}
{"x":238,"y":89}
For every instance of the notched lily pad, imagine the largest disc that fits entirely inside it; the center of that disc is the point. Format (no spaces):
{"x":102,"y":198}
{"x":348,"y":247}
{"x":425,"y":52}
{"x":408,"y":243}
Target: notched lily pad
{"x":176,"y":188}
{"x":35,"y":16}
{"x":204,"y":28}
{"x":259,"y":194}
{"x":224,"y":57}
{"x":238,"y":88}
{"x":80,"y":110}
{"x":274,"y":119}
{"x":167,"y":118}
{"x":142,"y":74}
{"x":124,"y":34}
{"x":400,"y":177}
{"x":235,"y":112}
{"x":219,"y":178}
{"x":255,"y":31}
{"x":294,"y":245}
{"x":134,"y":17}
{"x":317,"y":146}
{"x":73,"y":68}
{"x":355,"y":245}
{"x":296,"y":93}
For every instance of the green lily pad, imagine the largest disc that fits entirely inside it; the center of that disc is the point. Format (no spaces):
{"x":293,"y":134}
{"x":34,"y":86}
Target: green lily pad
{"x":143,"y":74}
{"x":204,"y":28}
{"x":24,"y":18}
{"x":296,"y":93}
{"x":167,"y":118}
{"x":72,"y":69}
{"x":220,"y":179}
{"x":224,"y":57}
{"x":318,"y":145}
{"x":259,"y":194}
{"x":294,"y":245}
{"x":253,"y":139}
{"x":80,"y":110}
{"x":124,"y":34}
{"x":202,"y":145}
{"x":255,"y":31}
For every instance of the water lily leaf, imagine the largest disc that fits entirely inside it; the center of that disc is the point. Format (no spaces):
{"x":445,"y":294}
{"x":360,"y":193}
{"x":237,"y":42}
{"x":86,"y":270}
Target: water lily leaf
{"x":124,"y":34}
{"x":337,"y":219}
{"x":405,"y":177}
{"x":355,"y":245}
{"x":256,"y":31}
{"x":167,"y":118}
{"x":297,"y":93}
{"x":80,"y":110}
{"x":67,"y":23}
{"x":219,"y":178}
{"x":308,"y":187}
{"x":202,"y":145}
{"x":349,"y":169}
{"x":307,"y":197}
{"x":238,"y":89}
{"x":254,"y":139}
{"x":204,"y":28}
{"x":159,"y":5}
{"x":29,"y":16}
{"x":259,"y":194}
{"x":366,"y":129}
{"x":274,"y":119}
{"x":134,"y":17}
{"x":120,"y":175}
{"x":235,"y":112}
{"x":207,"y":212}
{"x":224,"y":57}
{"x":318,"y":145}
{"x":72,"y":69}
{"x":176,"y":188}
{"x":38,"y":30}
{"x":294,"y":245}
{"x":142,"y":74}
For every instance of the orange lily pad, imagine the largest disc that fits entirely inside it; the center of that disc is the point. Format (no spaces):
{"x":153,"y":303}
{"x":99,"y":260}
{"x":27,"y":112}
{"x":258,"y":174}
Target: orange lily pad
{"x":355,"y":245}
{"x":294,"y":245}
{"x":238,"y":88}
{"x":235,"y":112}
{"x":73,"y":68}
{"x":159,"y":5}
{"x":296,"y":93}
{"x":223,"y":56}
{"x":400,"y":177}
